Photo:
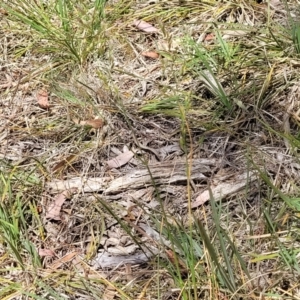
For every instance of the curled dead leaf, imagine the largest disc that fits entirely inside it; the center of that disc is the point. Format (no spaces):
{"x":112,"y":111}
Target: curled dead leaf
{"x":46,"y":252}
{"x":60,"y":166}
{"x":109,"y":293}
{"x":150,"y":54}
{"x":144,"y":26}
{"x":3,"y":12}
{"x":120,"y":160}
{"x":177,"y":261}
{"x":53,"y":212}
{"x":42,"y":99}
{"x":95,"y":123}
{"x":201,"y":199}
{"x":209,"y":37}
{"x":68,"y":257}
{"x":225,"y":189}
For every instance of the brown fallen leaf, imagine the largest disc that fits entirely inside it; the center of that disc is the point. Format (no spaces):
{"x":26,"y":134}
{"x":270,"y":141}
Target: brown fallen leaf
{"x":53,"y":212}
{"x":225,"y":189}
{"x":144,"y":26}
{"x":59,"y":262}
{"x":3,"y":12}
{"x":150,"y":54}
{"x":95,"y":123}
{"x":176,"y":261}
{"x":59,"y":167}
{"x":46,"y":252}
{"x":42,"y":99}
{"x":110,"y":293}
{"x":120,"y":160}
{"x":201,"y":199}
{"x":209,"y":37}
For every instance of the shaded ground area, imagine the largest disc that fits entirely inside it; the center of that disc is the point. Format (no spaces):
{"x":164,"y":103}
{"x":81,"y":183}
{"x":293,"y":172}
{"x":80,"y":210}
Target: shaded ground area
{"x":153,"y":160}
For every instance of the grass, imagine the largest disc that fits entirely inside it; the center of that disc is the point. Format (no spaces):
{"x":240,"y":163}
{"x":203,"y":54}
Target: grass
{"x":67,"y":31}
{"x":225,"y":86}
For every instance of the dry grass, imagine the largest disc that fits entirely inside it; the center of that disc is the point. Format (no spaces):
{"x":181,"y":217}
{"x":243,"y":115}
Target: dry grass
{"x":225,"y":87}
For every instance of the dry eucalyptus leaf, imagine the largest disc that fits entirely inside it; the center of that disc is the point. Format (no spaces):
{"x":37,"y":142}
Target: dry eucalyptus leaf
{"x":225,"y":189}
{"x":3,"y":12}
{"x":209,"y":37}
{"x":150,"y":54}
{"x":120,"y":160}
{"x":173,"y":258}
{"x":144,"y":26}
{"x":42,"y":99}
{"x":59,"y":262}
{"x":53,"y":211}
{"x":201,"y":199}
{"x":46,"y":252}
{"x":109,"y":293}
{"x":95,"y":123}
{"x":59,"y":167}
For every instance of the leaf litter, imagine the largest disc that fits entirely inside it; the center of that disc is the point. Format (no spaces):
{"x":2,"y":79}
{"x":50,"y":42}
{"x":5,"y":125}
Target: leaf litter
{"x":94,"y":123}
{"x":83,"y":221}
{"x":224,"y":189}
{"x":53,"y":211}
{"x":144,"y":26}
{"x":120,"y":160}
{"x":150,"y":54}
{"x":42,"y":99}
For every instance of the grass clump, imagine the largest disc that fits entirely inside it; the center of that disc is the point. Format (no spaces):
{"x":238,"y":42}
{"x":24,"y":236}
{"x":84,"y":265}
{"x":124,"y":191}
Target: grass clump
{"x":67,"y":30}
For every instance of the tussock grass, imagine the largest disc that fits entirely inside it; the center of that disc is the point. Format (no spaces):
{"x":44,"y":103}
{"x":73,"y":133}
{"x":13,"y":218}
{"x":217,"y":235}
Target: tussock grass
{"x":66,"y":29}
{"x":225,"y":86}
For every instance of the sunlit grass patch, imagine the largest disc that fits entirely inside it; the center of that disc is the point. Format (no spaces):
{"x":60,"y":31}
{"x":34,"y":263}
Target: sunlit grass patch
{"x":69,"y":30}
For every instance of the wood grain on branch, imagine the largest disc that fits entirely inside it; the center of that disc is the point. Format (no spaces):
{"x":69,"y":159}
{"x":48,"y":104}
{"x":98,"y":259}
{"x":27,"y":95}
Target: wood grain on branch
{"x":168,"y":172}
{"x":162,"y":173}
